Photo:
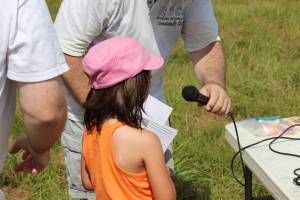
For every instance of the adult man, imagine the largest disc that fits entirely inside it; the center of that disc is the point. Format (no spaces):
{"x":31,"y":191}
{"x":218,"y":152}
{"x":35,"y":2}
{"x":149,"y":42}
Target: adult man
{"x":80,"y":24}
{"x":30,"y":61}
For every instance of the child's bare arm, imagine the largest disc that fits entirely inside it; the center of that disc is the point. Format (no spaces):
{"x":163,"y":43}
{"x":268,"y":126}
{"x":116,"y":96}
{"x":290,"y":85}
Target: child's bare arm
{"x":85,"y":177}
{"x":160,"y":181}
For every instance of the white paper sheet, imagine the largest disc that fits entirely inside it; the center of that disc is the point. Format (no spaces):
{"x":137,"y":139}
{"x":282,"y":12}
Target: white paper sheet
{"x":157,"y":110}
{"x":156,"y":121}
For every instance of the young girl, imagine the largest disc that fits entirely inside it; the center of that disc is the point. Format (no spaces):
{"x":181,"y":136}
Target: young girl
{"x":120,"y":160}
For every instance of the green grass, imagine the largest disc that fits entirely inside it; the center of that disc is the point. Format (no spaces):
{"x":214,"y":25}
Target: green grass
{"x":261,"y":39}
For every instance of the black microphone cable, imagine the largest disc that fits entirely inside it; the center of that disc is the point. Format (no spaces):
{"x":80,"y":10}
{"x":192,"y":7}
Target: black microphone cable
{"x":273,"y":139}
{"x":230,"y":114}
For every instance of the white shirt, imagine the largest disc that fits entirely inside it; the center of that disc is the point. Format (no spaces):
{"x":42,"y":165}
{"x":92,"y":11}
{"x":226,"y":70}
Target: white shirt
{"x":29,"y":52}
{"x":80,"y":24}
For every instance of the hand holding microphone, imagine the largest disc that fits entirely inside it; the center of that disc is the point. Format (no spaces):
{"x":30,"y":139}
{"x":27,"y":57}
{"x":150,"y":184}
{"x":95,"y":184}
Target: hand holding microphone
{"x":212,"y":96}
{"x":190,"y":93}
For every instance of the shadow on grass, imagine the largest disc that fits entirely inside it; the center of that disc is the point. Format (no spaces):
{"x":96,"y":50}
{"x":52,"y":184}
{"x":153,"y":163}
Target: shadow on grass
{"x":189,"y":190}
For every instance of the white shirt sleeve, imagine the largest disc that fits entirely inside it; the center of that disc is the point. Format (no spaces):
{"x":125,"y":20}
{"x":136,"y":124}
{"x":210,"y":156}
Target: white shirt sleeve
{"x":33,"y":51}
{"x":200,"y":27}
{"x":78,"y":23}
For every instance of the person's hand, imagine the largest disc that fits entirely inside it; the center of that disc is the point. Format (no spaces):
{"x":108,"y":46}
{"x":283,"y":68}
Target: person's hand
{"x":32,"y":162}
{"x":219,"y":102}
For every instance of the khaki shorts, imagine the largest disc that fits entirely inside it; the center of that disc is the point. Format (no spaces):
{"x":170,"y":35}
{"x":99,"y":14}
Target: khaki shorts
{"x":72,"y":142}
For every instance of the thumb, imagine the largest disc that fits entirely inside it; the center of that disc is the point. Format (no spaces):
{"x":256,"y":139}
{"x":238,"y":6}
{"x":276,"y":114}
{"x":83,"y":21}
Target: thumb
{"x":205,"y":91}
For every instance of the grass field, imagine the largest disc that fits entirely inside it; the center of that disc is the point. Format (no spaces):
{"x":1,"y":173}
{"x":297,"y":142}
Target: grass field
{"x":262,"y":43}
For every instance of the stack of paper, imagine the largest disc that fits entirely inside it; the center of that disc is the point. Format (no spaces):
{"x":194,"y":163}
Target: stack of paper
{"x":156,"y":120}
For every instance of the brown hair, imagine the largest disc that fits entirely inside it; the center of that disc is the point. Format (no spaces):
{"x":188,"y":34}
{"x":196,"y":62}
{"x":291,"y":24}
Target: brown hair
{"x":123,"y":101}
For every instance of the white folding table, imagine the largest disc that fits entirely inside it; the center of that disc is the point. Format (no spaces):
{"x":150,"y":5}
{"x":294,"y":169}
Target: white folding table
{"x":274,"y":171}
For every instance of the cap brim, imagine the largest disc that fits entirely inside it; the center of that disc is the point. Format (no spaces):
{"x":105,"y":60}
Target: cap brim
{"x":155,"y":62}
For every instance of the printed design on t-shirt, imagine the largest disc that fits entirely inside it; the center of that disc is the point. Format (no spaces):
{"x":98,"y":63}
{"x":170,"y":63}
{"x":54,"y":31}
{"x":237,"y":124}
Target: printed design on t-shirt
{"x":151,"y":3}
{"x":170,"y":15}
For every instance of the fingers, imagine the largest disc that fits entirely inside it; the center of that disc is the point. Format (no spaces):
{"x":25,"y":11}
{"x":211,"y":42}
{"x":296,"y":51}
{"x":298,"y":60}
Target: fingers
{"x":206,"y":92}
{"x":222,"y":105}
{"x":213,"y":99}
{"x":20,"y":144}
{"x":15,"y":148}
{"x":225,"y":107}
{"x":228,"y":106}
{"x":32,"y":162}
{"x":25,"y":155}
{"x":28,"y":166}
{"x":219,"y":102}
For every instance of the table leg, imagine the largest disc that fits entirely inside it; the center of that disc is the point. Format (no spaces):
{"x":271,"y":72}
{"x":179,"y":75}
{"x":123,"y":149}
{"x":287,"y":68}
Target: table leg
{"x":248,"y":184}
{"x":248,"y":187}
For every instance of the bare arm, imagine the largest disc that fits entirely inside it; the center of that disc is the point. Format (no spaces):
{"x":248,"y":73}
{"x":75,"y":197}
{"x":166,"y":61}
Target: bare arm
{"x":75,"y":80}
{"x":209,"y":66}
{"x":157,"y":172}
{"x":86,"y":181}
{"x":44,"y":109}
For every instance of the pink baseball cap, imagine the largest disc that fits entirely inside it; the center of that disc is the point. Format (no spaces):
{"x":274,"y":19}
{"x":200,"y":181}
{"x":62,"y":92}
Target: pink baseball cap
{"x":117,"y":59}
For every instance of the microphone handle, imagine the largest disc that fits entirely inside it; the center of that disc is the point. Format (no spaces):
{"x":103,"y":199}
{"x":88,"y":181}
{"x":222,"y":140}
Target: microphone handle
{"x":202,"y":99}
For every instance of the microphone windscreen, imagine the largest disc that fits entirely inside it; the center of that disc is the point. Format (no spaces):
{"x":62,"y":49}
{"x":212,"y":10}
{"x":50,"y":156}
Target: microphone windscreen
{"x":190,"y":93}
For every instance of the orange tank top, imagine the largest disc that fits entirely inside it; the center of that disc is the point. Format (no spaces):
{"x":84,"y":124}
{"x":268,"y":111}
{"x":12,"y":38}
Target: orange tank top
{"x":110,"y":182}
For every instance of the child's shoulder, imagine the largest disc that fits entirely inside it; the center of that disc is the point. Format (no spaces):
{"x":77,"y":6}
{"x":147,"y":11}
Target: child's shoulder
{"x":141,"y":137}
{"x":149,"y":137}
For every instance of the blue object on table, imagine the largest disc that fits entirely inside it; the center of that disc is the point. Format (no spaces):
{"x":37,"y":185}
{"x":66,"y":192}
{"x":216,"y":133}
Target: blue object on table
{"x":271,"y":118}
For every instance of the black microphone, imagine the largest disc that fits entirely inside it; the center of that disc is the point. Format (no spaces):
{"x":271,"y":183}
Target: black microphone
{"x":191,"y":93}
